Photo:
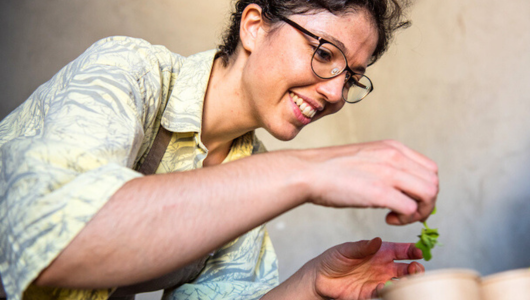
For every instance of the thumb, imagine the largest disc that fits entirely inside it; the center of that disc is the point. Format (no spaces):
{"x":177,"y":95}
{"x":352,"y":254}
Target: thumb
{"x":361,"y":249}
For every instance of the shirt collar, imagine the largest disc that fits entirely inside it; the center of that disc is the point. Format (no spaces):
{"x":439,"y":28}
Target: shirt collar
{"x":185,"y":104}
{"x":184,"y":109}
{"x":242,"y":147}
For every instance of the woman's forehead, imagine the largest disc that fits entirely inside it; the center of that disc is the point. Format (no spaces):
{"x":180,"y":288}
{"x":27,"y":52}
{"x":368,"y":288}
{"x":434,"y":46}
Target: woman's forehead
{"x":351,"y":32}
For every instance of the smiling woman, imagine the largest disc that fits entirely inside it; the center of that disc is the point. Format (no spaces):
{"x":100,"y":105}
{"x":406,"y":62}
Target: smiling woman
{"x":74,"y":156}
{"x":296,"y":71}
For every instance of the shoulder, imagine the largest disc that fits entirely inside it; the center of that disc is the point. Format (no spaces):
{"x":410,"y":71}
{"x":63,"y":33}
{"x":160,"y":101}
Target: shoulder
{"x":131,"y":54}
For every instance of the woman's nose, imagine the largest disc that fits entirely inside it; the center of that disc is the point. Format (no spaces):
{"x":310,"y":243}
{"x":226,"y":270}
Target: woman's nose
{"x":332,"y":88}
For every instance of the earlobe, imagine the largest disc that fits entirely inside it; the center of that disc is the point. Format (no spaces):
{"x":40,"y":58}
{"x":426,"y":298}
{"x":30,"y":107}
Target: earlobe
{"x":251,"y":24}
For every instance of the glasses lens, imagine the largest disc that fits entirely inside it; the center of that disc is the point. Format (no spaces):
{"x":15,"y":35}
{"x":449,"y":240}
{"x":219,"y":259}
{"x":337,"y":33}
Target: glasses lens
{"x":356,"y":88}
{"x":328,"y":61}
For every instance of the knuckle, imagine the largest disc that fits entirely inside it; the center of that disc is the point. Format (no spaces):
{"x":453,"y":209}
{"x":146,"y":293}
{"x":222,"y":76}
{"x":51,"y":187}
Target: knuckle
{"x":435,"y":167}
{"x":391,"y":142}
{"x":379,"y":194}
{"x":410,"y":209}
{"x":385,"y":170}
{"x":435,"y":179}
{"x":392,"y":154}
{"x":434,"y":187}
{"x":436,"y":190}
{"x":397,"y":145}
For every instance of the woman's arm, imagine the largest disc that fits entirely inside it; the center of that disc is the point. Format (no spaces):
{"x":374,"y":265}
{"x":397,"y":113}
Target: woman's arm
{"x":158,"y":223}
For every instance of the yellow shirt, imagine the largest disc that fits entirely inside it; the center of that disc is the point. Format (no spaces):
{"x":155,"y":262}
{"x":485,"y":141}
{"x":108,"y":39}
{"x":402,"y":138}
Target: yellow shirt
{"x":78,"y":138}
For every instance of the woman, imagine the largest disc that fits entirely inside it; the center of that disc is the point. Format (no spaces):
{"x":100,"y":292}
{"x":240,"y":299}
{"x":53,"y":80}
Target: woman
{"x":95,"y":224}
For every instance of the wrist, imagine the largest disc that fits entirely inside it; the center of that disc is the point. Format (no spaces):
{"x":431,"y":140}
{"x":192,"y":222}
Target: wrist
{"x":300,"y":286}
{"x":308,"y":174}
{"x":299,"y":179}
{"x":308,"y":279}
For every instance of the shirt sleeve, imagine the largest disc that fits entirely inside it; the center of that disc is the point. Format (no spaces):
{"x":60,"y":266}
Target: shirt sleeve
{"x":246,"y":268}
{"x":66,"y":151}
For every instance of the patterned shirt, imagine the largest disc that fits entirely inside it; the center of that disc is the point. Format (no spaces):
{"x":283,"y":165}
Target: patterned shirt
{"x":79,"y":137}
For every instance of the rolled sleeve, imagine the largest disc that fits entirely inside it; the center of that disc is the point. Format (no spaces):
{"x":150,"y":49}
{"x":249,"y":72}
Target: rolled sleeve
{"x":66,"y":151}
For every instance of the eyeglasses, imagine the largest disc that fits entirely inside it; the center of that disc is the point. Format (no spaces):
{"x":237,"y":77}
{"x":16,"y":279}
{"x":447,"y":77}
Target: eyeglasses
{"x":328,"y":61}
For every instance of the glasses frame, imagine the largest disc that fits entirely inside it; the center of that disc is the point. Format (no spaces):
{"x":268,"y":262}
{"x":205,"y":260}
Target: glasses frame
{"x":349,"y":72}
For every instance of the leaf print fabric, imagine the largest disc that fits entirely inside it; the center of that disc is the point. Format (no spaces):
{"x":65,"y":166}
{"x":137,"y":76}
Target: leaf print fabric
{"x":79,"y":137}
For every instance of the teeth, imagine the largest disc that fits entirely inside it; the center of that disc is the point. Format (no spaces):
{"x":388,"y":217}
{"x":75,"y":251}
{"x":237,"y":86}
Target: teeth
{"x":306,"y":109}
{"x":298,"y":101}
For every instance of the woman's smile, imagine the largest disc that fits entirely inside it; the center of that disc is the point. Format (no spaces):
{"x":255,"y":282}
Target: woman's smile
{"x":304,"y":109}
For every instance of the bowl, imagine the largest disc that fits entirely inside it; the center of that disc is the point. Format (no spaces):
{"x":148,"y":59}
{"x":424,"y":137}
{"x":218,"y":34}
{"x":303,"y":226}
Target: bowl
{"x":514,"y":284}
{"x":447,"y":284}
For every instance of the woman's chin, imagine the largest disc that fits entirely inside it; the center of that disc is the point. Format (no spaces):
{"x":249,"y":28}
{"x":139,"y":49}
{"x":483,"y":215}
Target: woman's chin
{"x":284,"y":135}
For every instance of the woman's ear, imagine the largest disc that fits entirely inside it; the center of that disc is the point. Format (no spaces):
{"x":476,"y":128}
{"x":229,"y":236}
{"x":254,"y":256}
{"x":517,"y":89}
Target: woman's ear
{"x":251,"y":25}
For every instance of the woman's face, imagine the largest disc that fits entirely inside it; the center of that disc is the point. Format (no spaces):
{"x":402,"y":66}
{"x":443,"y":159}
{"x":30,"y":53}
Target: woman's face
{"x":278,"y":79}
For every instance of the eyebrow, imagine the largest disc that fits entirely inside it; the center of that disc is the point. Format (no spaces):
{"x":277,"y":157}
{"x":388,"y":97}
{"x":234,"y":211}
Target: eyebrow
{"x":329,"y":38}
{"x":334,"y":41}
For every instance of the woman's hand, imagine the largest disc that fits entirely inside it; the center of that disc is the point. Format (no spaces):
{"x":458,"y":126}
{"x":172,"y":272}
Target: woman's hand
{"x":350,"y":271}
{"x":383,"y":174}
{"x":359,"y":270}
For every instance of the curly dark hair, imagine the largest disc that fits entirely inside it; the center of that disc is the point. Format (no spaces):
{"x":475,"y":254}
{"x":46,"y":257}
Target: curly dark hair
{"x":387,"y":15}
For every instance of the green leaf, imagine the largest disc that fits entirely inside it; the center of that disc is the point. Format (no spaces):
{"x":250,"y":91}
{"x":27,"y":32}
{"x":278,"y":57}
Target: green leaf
{"x":428,"y":239}
{"x":426,"y":250}
{"x":427,"y":254}
{"x":430,"y":232}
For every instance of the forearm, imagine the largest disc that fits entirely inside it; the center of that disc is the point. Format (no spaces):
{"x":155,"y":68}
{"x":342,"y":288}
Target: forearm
{"x":159,"y":223}
{"x":300,"y":285}
{"x":156,"y":224}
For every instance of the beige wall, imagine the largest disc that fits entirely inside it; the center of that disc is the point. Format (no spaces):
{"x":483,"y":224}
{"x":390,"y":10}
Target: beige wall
{"x":453,"y":86}
{"x":37,"y":38}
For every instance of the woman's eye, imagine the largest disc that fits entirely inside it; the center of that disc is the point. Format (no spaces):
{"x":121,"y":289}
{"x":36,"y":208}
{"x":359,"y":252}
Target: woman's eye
{"x":323,"y":55}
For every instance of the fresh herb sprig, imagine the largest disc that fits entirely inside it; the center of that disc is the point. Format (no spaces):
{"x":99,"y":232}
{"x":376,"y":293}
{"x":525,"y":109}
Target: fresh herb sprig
{"x":428,"y":239}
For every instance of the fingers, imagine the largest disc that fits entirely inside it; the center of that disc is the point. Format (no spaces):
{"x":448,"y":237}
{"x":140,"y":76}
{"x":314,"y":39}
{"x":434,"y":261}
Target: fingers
{"x":403,"y":269}
{"x":421,"y":214}
{"x":393,"y":218}
{"x":422,"y":191}
{"x":377,"y":290}
{"x":415,"y":268}
{"x":361,"y":249}
{"x":402,"y":160}
{"x":379,"y":174}
{"x":403,"y":251}
{"x":419,"y":183}
{"x":415,"y":156}
{"x":413,"y":174}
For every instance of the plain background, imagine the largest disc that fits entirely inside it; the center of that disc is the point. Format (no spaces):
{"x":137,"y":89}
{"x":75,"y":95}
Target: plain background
{"x":454,"y":86}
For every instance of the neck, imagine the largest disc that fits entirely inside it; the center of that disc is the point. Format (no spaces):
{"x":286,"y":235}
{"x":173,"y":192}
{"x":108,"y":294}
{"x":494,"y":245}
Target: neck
{"x":227,"y":114}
